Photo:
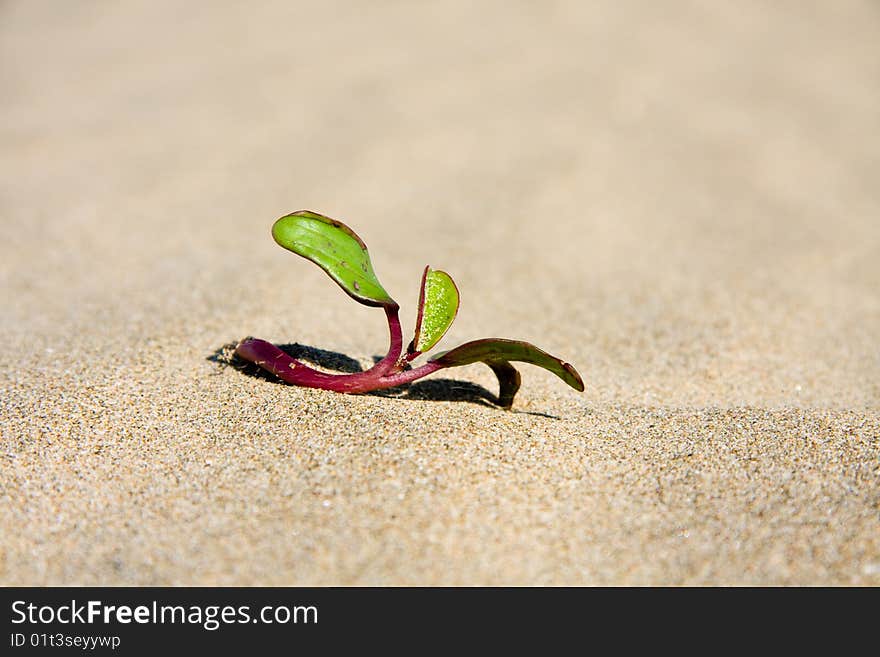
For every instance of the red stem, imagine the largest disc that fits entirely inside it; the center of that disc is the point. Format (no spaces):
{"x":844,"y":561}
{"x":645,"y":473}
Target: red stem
{"x":392,"y":359}
{"x":387,"y":373}
{"x":272,"y":359}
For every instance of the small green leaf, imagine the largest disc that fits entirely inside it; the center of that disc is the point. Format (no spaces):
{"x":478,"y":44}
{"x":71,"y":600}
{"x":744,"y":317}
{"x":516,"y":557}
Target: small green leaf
{"x":490,"y":350}
{"x":336,"y":249}
{"x":438,"y":305}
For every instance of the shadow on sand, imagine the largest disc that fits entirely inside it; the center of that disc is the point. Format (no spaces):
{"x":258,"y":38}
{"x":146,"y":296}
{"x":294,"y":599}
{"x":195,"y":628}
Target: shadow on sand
{"x":429,"y":390}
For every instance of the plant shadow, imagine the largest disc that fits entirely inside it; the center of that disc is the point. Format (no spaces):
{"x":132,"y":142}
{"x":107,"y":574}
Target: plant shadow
{"x":429,"y":390}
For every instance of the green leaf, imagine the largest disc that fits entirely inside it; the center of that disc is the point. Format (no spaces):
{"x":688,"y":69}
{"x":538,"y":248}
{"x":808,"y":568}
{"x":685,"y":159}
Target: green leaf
{"x":492,"y":350}
{"x":438,"y":305}
{"x":336,"y":249}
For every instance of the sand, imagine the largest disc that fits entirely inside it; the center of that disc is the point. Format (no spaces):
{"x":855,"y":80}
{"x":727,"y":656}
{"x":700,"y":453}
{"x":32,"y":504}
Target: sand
{"x":682,"y":200}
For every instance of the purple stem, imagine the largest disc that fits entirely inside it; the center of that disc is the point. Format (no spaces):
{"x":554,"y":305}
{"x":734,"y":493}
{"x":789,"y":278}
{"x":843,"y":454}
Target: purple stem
{"x":392,"y":359}
{"x":272,"y":359}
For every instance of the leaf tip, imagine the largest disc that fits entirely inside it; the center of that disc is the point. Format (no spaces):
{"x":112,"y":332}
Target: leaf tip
{"x":576,"y":381}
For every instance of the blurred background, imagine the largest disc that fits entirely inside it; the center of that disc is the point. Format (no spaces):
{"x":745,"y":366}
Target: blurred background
{"x":680,"y":198}
{"x":682,"y":195}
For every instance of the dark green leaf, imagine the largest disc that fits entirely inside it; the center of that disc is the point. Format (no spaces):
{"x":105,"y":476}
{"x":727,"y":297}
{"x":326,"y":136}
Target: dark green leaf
{"x":508,"y":381}
{"x":491,"y":350}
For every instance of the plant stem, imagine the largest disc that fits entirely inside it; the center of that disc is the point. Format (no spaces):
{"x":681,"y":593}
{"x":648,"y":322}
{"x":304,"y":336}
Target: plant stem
{"x":392,"y":359}
{"x":274,"y":360}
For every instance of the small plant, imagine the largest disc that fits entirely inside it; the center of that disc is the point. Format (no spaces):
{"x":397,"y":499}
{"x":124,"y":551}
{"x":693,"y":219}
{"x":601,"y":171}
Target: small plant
{"x":336,"y":249}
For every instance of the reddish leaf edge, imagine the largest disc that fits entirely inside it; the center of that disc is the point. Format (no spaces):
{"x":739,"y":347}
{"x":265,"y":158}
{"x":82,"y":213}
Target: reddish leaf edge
{"x":389,"y":304}
{"x":411,"y":352}
{"x":488,"y":350}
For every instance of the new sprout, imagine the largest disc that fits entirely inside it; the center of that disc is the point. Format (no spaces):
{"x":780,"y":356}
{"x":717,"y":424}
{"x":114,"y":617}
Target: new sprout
{"x":337,"y":249}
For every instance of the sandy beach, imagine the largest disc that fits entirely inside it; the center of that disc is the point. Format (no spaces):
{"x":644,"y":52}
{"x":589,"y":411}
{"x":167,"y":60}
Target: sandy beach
{"x":680,"y":199}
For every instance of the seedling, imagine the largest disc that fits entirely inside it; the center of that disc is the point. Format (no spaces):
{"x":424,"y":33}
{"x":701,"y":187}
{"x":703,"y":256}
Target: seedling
{"x":336,"y":249}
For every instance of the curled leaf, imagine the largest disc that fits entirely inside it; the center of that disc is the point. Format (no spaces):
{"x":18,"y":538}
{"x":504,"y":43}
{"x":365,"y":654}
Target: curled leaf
{"x":508,"y":381}
{"x":438,"y":306}
{"x":336,"y":249}
{"x":489,"y":350}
